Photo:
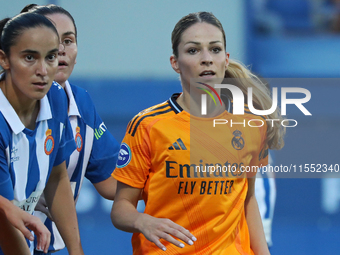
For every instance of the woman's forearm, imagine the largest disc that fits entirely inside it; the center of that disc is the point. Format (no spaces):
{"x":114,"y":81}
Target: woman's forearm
{"x":59,"y":198}
{"x":124,"y":214}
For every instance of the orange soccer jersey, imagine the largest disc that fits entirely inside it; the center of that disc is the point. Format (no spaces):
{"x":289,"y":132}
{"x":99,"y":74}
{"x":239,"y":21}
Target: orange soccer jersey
{"x":191,"y":173}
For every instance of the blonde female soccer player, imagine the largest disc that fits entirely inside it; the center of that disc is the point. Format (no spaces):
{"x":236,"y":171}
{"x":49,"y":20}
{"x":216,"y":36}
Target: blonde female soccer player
{"x":168,"y":148}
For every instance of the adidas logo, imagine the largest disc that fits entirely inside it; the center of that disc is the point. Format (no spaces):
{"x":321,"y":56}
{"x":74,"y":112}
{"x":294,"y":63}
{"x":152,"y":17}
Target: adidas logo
{"x":178,"y":145}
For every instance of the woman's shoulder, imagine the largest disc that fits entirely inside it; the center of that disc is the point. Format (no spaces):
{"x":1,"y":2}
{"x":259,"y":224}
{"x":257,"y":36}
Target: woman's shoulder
{"x":155,"y":110}
{"x":80,"y":93}
{"x":149,"y":116}
{"x":83,"y":101}
{"x":58,"y":101}
{"x":56,"y":92}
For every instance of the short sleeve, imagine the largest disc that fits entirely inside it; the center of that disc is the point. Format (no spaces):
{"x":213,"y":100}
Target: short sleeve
{"x":103,"y":156}
{"x":134,"y":159}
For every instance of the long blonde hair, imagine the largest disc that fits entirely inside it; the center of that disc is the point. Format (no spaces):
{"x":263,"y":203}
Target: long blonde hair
{"x":262,"y":100}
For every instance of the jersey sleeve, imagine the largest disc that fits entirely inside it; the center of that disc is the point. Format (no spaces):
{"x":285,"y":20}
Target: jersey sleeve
{"x":104,"y":153}
{"x":6,"y":185}
{"x":67,"y":143}
{"x":134,"y":161}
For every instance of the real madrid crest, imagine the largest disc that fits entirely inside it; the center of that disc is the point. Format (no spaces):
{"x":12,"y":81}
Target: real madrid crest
{"x":78,"y":139}
{"x":237,"y":141}
{"x":49,"y":142}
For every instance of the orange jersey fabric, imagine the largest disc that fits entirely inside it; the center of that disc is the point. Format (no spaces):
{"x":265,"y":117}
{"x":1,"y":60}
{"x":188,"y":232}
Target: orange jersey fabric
{"x":167,"y":153}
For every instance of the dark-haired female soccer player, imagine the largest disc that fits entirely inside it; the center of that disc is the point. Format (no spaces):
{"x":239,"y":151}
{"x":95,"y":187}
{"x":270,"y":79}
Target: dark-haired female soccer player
{"x":97,"y":150}
{"x":35,"y":137}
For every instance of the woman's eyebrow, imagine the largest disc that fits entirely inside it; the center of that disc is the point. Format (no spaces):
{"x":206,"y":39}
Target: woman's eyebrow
{"x":198,"y":43}
{"x":69,"y":33}
{"x":30,"y":51}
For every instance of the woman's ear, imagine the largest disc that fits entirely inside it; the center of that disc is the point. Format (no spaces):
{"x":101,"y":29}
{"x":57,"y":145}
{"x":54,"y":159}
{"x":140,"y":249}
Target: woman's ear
{"x":227,"y":60}
{"x":174,"y":64}
{"x":4,"y":63}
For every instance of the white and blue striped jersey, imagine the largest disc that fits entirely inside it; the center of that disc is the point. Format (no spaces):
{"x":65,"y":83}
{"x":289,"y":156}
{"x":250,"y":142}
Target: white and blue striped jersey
{"x":265,"y":192}
{"x":27,"y":156}
{"x":96,"y":153}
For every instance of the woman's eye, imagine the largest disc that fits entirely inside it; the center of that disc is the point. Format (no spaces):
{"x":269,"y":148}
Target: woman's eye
{"x":67,"y":42}
{"x":29,"y":58}
{"x":51,"y":57}
{"x":192,"y":51}
{"x":216,"y":50}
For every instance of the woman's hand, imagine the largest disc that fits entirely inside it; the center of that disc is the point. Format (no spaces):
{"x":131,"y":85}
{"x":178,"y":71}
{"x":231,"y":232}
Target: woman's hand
{"x":155,"y":229}
{"x":39,"y":229}
{"x":42,"y":207}
{"x":23,"y":220}
{"x":125,"y":217}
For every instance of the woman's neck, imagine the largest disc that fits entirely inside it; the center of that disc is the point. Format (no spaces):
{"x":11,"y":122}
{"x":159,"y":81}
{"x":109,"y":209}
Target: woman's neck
{"x":27,"y":110}
{"x":192,"y":103}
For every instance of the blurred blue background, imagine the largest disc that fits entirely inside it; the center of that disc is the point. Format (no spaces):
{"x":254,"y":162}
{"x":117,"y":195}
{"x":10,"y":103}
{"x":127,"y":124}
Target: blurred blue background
{"x":123,"y":61}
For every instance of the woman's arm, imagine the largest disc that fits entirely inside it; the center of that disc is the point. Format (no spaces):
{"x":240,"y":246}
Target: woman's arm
{"x":9,"y":213}
{"x":12,"y":240}
{"x":257,"y":238}
{"x":125,"y":217}
{"x":59,"y":198}
{"x":107,"y":188}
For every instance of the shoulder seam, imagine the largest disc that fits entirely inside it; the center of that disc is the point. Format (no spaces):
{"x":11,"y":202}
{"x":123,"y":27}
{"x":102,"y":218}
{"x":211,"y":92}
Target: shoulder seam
{"x":132,"y":122}
{"x":146,"y":116}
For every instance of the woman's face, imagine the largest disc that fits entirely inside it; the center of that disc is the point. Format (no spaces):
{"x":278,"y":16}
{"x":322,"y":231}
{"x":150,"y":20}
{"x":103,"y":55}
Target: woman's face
{"x":201,"y":54}
{"x":32,"y":62}
{"x":67,"y":56}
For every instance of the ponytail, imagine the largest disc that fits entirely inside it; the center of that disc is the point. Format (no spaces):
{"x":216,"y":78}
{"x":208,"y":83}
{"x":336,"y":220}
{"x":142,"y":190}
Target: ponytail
{"x":29,"y":7}
{"x":262,"y":100}
{"x":2,"y":25}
